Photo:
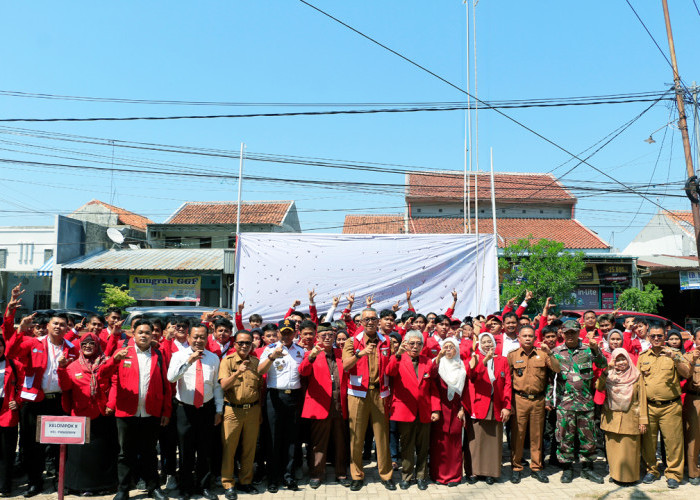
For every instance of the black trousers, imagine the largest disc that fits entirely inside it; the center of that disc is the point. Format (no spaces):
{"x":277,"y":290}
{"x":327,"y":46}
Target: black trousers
{"x":8,"y":446}
{"x":283,"y":414}
{"x":167,"y":443}
{"x":137,"y":451}
{"x":34,"y":452}
{"x":194,"y":434}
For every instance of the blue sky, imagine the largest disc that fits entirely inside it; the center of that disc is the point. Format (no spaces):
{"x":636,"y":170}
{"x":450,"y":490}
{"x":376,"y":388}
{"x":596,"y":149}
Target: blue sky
{"x":284,"y":51}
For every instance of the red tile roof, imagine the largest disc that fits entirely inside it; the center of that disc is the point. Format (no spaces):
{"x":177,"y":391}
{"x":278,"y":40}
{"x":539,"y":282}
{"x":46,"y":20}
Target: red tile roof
{"x":374,"y":224}
{"x":225,"y":212}
{"x":520,"y":187}
{"x":568,"y":231}
{"x":124,"y":216}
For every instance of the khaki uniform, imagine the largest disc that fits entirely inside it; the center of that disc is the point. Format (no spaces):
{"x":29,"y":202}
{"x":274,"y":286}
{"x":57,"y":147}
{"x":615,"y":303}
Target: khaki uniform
{"x":691,"y":416}
{"x":622,"y":436}
{"x":241,"y":418}
{"x":661,"y":377}
{"x":529,"y":374}
{"x":359,"y":412}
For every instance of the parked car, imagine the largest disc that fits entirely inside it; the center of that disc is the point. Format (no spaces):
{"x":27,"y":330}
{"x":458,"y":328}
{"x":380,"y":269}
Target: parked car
{"x":652,"y":318}
{"x":164,"y":312}
{"x":76,"y":315}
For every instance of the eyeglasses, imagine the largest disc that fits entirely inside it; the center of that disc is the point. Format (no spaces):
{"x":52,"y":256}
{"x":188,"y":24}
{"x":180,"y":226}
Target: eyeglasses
{"x":244,"y":343}
{"x":415,"y":344}
{"x":370,"y":320}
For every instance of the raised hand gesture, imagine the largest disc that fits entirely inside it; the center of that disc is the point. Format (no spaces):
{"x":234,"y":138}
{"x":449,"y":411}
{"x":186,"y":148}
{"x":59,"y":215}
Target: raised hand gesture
{"x":369,"y":300}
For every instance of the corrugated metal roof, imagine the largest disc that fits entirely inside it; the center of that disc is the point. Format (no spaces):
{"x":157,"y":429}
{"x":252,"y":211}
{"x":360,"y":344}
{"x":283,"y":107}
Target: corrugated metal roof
{"x":169,"y":259}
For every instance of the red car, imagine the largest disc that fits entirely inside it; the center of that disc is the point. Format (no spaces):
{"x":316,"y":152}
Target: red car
{"x":577,"y":314}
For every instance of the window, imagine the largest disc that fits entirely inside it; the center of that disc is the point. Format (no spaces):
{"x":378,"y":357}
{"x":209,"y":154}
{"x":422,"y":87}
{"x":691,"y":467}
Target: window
{"x":172,"y":241}
{"x":42,"y":300}
{"x":541,"y":211}
{"x":483,"y":211}
{"x":205,"y":242}
{"x":418,"y":210}
{"x":461,"y":210}
{"x":440,"y":210}
{"x":559,"y":211}
{"x":3,"y":258}
{"x":503,"y":210}
{"x":232,"y":241}
{"x":524,"y":211}
{"x":48,"y":255}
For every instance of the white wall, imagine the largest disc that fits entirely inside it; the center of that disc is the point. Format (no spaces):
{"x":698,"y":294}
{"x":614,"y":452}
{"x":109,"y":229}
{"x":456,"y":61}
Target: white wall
{"x":503,"y":210}
{"x":25,"y":246}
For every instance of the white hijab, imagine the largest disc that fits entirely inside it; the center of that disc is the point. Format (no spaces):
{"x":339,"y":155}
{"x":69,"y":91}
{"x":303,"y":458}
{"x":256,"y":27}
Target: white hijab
{"x":489,"y":365}
{"x":452,"y":371}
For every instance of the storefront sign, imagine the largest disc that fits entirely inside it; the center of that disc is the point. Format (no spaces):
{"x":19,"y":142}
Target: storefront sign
{"x":614,"y":272}
{"x":608,"y":300}
{"x":589,"y":275}
{"x":583,"y":298}
{"x":690,"y":280}
{"x":63,"y":430}
{"x":162,"y":287}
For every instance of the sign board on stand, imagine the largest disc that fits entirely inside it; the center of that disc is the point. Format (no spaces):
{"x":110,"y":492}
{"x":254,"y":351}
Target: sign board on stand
{"x":60,"y":430}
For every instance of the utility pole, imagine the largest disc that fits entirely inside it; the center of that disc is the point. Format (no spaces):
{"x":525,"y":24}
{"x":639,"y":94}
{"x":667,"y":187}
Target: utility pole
{"x":694,"y":89}
{"x":682,"y":123}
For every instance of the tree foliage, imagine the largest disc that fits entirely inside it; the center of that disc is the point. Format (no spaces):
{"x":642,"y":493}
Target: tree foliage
{"x":115,"y":296}
{"x":543,"y":268}
{"x":647,"y":301}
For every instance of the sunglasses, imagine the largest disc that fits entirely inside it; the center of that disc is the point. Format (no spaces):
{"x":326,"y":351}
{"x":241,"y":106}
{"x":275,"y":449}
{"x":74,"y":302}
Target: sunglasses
{"x":657,"y":336}
{"x":244,"y":343}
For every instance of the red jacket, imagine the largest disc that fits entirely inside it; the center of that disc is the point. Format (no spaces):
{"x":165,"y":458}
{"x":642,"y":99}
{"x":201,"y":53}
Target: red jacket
{"x":75,"y":386}
{"x":414,"y":395}
{"x":317,"y":401}
{"x":13,"y":388}
{"x":431,"y":348}
{"x":480,"y":388}
{"x":465,"y":349}
{"x":358,"y":381}
{"x":124,"y":392}
{"x":33,"y":353}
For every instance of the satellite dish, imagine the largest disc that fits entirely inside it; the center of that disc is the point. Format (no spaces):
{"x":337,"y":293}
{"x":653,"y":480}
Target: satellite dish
{"x":134,"y":247}
{"x":114,"y":235}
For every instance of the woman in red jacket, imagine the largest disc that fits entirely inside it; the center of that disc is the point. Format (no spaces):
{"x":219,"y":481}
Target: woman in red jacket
{"x":446,"y":454}
{"x":490,"y":394}
{"x":13,"y":378}
{"x":92,"y":467}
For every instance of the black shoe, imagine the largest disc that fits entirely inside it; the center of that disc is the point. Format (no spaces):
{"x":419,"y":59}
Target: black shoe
{"x":515,"y":477}
{"x":567,"y":476}
{"x":695,"y":481}
{"x":230,"y":494}
{"x":121,"y":495}
{"x":472,"y":479}
{"x":344,"y":481}
{"x":591,"y":475}
{"x":291,"y":485}
{"x":247,"y":488}
{"x":184,"y":496}
{"x":314,"y":483}
{"x":273,"y":487}
{"x":539,"y":475}
{"x":454,"y":483}
{"x":209,"y":495}
{"x":490,"y":480}
{"x":672,"y":483}
{"x":422,"y":484}
{"x":157,"y":494}
{"x":649,"y":478}
{"x":389,"y":484}
{"x":33,"y":490}
{"x":356,"y":485}
{"x":404,"y":485}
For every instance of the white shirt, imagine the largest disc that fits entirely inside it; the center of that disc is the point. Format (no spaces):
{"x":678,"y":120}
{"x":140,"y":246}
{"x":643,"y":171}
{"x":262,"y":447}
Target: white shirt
{"x":49,"y":383}
{"x":181,"y":345}
{"x":223,"y":347}
{"x":2,"y":378}
{"x":438,"y":339}
{"x":646,"y":345}
{"x":284,"y":372}
{"x":509,"y":344}
{"x":144,"y":359}
{"x":185,"y":374}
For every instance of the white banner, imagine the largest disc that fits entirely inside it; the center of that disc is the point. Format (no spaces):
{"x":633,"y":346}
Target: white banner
{"x":277,"y":268}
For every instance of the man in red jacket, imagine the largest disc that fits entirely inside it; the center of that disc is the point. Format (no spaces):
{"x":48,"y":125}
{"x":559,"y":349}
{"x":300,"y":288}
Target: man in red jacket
{"x":41,"y":389}
{"x":414,"y":406}
{"x":325,"y":405}
{"x":365,"y":358}
{"x":140,"y":398}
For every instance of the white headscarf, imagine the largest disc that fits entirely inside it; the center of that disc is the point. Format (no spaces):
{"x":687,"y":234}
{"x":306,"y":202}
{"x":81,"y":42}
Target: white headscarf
{"x":452,"y":371}
{"x":489,"y":365}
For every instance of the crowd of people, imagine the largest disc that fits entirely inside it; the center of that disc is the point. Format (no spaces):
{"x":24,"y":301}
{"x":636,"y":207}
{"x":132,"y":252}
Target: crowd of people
{"x":189,"y":405}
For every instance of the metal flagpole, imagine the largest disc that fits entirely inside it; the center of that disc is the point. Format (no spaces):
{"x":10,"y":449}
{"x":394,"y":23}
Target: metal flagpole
{"x":238,"y":231}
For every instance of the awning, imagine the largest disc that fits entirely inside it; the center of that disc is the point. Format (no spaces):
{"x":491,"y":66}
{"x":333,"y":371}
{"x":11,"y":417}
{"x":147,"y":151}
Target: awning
{"x":46,"y":269}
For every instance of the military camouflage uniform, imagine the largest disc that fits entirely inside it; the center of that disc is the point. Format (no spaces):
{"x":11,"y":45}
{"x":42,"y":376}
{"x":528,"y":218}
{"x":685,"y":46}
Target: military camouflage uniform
{"x":574,"y":401}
